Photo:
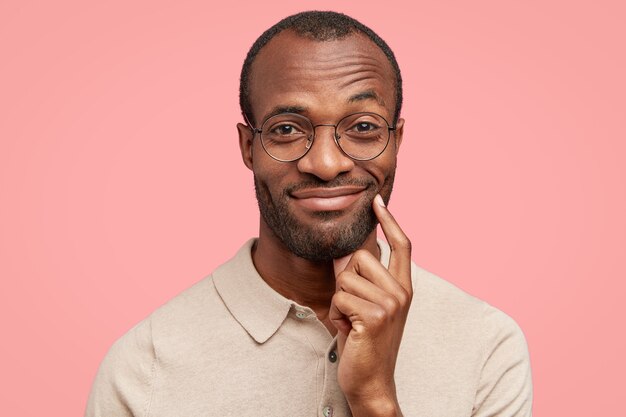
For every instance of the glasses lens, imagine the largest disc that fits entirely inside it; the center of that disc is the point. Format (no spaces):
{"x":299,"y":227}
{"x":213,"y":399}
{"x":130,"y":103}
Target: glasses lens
{"x":286,"y":136}
{"x":363,"y":135}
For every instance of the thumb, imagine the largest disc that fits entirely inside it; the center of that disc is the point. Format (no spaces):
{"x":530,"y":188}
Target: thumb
{"x":340,"y":264}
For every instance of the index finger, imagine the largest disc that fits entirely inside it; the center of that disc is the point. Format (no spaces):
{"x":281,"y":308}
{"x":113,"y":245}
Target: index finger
{"x":340,"y":264}
{"x":400,"y":259}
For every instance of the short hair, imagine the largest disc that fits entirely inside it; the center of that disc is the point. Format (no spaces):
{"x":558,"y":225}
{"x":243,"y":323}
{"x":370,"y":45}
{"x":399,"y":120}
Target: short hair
{"x":319,"y":26}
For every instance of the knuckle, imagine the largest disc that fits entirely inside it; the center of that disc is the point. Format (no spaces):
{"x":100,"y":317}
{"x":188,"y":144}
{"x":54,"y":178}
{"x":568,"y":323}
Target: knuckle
{"x":405,"y":297}
{"x":379,"y":315}
{"x":403,"y":243}
{"x":338,"y":297}
{"x":360,"y":255}
{"x":391,"y":305}
{"x":344,"y":280}
{"x":410,"y":293}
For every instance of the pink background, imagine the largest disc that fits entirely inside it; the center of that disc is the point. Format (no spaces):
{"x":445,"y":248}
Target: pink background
{"x":121,"y":182}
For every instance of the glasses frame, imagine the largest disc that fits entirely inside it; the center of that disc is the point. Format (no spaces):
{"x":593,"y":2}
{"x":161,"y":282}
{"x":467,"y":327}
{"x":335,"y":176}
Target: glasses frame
{"x":335,"y":136}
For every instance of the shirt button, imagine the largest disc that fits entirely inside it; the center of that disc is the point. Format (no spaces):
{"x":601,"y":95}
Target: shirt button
{"x":327,"y":411}
{"x":332,"y":356}
{"x":300,"y":314}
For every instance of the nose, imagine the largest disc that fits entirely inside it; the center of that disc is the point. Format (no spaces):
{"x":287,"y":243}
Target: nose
{"x":325,"y":159}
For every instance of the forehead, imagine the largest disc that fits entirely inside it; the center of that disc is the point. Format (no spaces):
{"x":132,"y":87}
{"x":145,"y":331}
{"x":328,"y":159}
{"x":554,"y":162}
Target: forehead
{"x":322,"y":77}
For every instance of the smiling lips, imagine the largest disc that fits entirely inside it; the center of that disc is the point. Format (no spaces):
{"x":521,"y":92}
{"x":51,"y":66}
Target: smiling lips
{"x":328,"y":199}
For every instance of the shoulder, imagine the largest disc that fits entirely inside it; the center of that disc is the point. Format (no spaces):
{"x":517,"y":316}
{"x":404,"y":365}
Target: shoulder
{"x":124,"y":381}
{"x":444,"y":305}
{"x":443,"y":301}
{"x":126,"y":377}
{"x":471,"y":341}
{"x":435,"y":296}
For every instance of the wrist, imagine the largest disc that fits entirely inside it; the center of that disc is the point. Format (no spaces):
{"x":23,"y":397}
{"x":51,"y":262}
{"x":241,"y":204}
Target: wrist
{"x":375,"y":406}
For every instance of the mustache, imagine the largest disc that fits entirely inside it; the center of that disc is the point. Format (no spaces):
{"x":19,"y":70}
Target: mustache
{"x":336,"y":182}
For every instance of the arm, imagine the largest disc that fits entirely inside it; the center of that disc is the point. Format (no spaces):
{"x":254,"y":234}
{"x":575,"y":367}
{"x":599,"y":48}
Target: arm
{"x":123,"y":385}
{"x":369,"y":310}
{"x":505,"y":385}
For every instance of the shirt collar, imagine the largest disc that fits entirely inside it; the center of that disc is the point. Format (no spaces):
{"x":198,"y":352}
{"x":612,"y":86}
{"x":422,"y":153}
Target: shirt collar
{"x":255,"y":305}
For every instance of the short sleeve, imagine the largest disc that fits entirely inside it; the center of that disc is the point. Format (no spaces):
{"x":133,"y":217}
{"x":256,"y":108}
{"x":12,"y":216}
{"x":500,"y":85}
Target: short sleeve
{"x":125,"y":378}
{"x":505,"y":386}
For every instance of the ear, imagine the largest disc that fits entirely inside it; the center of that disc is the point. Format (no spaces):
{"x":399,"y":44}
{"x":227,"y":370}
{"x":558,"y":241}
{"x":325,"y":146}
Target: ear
{"x":398,"y":133}
{"x":246,"y":135}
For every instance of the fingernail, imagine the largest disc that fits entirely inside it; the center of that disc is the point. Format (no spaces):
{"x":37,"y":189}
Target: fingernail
{"x":379,"y":200}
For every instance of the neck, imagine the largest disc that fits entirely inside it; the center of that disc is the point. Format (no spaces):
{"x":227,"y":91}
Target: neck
{"x":308,"y":283}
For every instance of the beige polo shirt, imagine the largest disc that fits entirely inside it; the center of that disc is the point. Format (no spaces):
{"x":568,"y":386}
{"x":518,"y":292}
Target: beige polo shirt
{"x":232,"y":346}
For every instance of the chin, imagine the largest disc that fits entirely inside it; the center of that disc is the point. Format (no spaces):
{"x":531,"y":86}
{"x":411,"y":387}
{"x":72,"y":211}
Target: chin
{"x":326,"y":236}
{"x":318,"y":236}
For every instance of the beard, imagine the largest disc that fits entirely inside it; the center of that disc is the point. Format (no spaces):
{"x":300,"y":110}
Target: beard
{"x":321,"y":242}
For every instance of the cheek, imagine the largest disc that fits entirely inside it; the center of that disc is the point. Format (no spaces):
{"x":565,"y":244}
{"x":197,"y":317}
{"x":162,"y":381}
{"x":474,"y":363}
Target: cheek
{"x":383,"y":169}
{"x":268,"y":173}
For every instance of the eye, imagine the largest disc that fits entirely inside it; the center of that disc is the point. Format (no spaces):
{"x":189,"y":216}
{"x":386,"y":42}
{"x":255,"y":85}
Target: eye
{"x":285,"y":130}
{"x":363,"y":127}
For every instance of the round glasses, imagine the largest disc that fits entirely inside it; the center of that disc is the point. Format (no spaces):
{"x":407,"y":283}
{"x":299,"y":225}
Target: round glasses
{"x":288,"y":137}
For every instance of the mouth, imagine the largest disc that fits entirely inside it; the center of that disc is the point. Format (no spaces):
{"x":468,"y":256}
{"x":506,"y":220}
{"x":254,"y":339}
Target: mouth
{"x":328,"y":199}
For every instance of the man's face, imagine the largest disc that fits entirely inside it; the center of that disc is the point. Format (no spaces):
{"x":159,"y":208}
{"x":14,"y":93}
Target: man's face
{"x":319,"y":206}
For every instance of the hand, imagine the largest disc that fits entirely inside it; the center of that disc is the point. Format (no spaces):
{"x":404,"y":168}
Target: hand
{"x":369,"y":310}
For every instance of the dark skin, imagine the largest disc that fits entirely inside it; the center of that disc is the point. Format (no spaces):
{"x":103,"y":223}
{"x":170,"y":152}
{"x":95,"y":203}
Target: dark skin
{"x":359,"y":300}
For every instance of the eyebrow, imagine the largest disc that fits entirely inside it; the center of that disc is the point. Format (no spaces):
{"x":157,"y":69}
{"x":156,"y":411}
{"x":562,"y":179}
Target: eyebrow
{"x":362,"y":96}
{"x":367,"y":95}
{"x":284,"y":109}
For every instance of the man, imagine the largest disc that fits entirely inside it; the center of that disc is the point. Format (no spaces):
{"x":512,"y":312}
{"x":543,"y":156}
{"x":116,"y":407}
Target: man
{"x":316,"y":317}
